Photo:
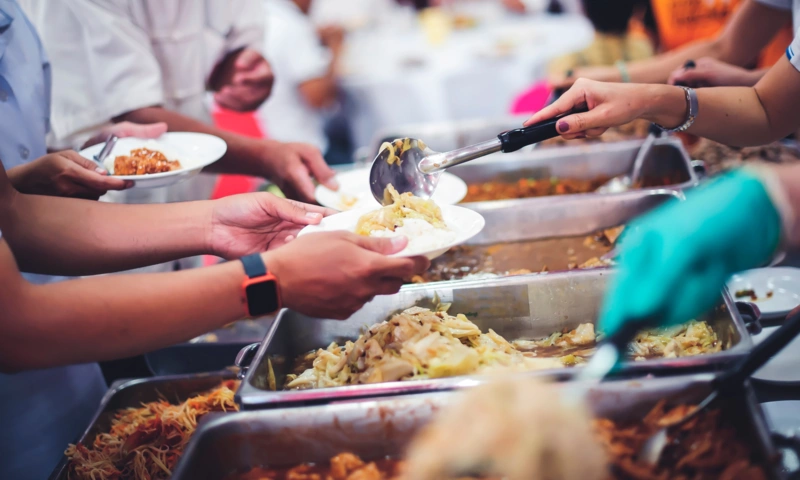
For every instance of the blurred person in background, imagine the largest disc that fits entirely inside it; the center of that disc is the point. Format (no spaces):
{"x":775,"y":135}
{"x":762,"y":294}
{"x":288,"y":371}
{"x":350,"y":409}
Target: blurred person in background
{"x":745,"y":34}
{"x":619,"y":36}
{"x":675,"y":260}
{"x":305,"y":62}
{"x":538,"y":6}
{"x":150,"y":61}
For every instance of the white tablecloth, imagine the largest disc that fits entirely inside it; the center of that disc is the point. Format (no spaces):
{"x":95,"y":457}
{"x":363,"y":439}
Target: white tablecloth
{"x":393,"y":76}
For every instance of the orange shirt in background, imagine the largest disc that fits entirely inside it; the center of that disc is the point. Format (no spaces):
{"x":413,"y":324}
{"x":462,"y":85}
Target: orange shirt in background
{"x":683,"y":21}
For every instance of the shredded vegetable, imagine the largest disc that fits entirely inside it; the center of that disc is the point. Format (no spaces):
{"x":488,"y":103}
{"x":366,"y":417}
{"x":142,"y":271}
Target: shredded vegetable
{"x":403,"y":207}
{"x":145,"y":443}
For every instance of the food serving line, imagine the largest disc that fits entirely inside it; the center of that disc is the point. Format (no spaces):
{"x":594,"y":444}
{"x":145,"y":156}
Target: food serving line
{"x":288,"y":427}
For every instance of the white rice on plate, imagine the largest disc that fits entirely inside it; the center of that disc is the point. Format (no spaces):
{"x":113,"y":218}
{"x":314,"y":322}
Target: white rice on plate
{"x":422,"y":236}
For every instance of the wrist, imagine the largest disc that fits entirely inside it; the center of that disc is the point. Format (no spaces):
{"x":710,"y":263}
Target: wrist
{"x":275,"y":267}
{"x":664,"y":105}
{"x":19,"y":177}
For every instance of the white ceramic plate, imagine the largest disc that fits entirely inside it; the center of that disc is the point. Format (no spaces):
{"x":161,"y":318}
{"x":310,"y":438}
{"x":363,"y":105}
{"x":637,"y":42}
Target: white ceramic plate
{"x":783,"y":282}
{"x":783,"y":368}
{"x":195,"y":151}
{"x":465,"y":222}
{"x":354,"y":192}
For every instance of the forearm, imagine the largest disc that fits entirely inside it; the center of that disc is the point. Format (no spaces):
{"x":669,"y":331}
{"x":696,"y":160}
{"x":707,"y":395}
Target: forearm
{"x":659,"y":68}
{"x":738,"y":116}
{"x":242,"y":157}
{"x":116,"y":316}
{"x":80,"y":237}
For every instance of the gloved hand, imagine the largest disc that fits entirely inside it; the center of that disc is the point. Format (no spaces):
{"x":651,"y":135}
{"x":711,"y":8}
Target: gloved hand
{"x":675,"y":260}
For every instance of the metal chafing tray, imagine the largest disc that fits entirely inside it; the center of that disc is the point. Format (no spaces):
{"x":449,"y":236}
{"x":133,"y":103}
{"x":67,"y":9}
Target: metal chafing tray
{"x":132,"y":393}
{"x":383,"y":427}
{"x":210,"y":352}
{"x":523,"y":307}
{"x":666,"y":165}
{"x":564,"y":221}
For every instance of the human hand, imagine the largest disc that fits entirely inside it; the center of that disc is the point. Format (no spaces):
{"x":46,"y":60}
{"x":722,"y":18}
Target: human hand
{"x":128,"y":129}
{"x":611,"y":105}
{"x":255,"y":222}
{"x":333,"y":274}
{"x":64,"y":174}
{"x":601,"y":74}
{"x":710,"y":72}
{"x":516,"y":6}
{"x":675,"y":261}
{"x":332,"y":36}
{"x":293,"y":165}
{"x":242,"y":81}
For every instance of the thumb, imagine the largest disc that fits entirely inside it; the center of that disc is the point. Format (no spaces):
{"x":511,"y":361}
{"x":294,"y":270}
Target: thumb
{"x":247,"y":59}
{"x":384,"y":246}
{"x":82,"y":161}
{"x":294,"y":212}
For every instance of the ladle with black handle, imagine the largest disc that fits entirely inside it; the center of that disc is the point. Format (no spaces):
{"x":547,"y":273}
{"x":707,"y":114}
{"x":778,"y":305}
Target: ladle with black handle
{"x":416,"y":168}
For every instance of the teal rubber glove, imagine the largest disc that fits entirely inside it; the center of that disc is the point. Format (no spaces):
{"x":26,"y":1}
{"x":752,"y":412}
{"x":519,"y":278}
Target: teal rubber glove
{"x":675,"y":260}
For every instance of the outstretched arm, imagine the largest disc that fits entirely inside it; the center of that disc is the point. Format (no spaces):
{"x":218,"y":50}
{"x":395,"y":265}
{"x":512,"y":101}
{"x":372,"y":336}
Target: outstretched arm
{"x":732,"y":115}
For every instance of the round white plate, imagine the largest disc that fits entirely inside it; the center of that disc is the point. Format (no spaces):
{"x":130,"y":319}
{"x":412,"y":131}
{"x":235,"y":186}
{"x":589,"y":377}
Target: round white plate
{"x":783,"y":282}
{"x":354,"y":192}
{"x":783,"y":368}
{"x":465,"y":222}
{"x":195,"y":151}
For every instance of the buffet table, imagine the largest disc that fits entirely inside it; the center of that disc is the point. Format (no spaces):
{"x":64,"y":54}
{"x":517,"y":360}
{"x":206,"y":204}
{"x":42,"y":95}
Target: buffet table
{"x":395,"y":76}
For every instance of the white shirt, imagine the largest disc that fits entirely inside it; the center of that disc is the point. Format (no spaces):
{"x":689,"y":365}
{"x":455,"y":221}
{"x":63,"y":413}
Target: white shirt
{"x":296,"y":55}
{"x":113,"y":56}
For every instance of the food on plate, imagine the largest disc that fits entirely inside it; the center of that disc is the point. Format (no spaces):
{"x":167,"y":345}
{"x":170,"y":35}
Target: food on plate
{"x":520,"y":258}
{"x":398,"y":147}
{"x":718,"y":157}
{"x":346,"y":201}
{"x":146,"y":442}
{"x":345,"y":466}
{"x":418,"y":219}
{"x":512,"y":429}
{"x":629,"y":131}
{"x":144,"y":161}
{"x":419,"y":343}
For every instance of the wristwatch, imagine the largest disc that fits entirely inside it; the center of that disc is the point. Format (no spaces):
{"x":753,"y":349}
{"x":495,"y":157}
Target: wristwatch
{"x":260,"y":290}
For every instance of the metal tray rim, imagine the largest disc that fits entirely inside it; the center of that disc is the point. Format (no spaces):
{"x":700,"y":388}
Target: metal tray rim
{"x":249,"y":397}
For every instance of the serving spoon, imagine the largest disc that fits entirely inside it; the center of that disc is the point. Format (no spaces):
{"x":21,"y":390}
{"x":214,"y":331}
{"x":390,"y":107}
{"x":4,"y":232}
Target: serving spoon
{"x":728,"y":382}
{"x":416,"y":168}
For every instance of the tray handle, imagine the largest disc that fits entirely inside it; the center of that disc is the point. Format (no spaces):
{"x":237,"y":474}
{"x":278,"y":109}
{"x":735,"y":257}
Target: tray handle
{"x":751,"y":315}
{"x":699,"y":169}
{"x":245,"y":357}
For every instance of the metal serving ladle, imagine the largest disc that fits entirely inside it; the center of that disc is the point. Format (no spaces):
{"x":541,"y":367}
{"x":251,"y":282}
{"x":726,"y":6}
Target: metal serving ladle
{"x":417,"y":168}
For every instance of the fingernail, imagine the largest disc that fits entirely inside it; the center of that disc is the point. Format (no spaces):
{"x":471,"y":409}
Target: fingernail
{"x":289,"y":238}
{"x":129,"y":184}
{"x":581,"y":135}
{"x":314,"y":215}
{"x":101,"y":171}
{"x":334,"y":183}
{"x":563,"y":127}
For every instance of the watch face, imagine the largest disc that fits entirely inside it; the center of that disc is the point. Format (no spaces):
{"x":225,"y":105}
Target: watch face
{"x":262,"y":298}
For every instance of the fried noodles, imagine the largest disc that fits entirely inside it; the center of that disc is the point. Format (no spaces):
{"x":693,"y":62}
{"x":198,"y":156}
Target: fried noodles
{"x":145,"y":443}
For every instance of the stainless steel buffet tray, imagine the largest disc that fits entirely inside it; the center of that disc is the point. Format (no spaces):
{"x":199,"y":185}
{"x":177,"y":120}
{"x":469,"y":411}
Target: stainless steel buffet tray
{"x":523,"y":307}
{"x":383,"y":427}
{"x":667,"y":164}
{"x":132,"y":393}
{"x":564,"y":215}
{"x":210,"y":352}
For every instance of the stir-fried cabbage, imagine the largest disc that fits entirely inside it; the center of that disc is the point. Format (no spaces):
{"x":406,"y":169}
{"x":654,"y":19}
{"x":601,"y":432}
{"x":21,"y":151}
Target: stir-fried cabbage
{"x":404,"y":206}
